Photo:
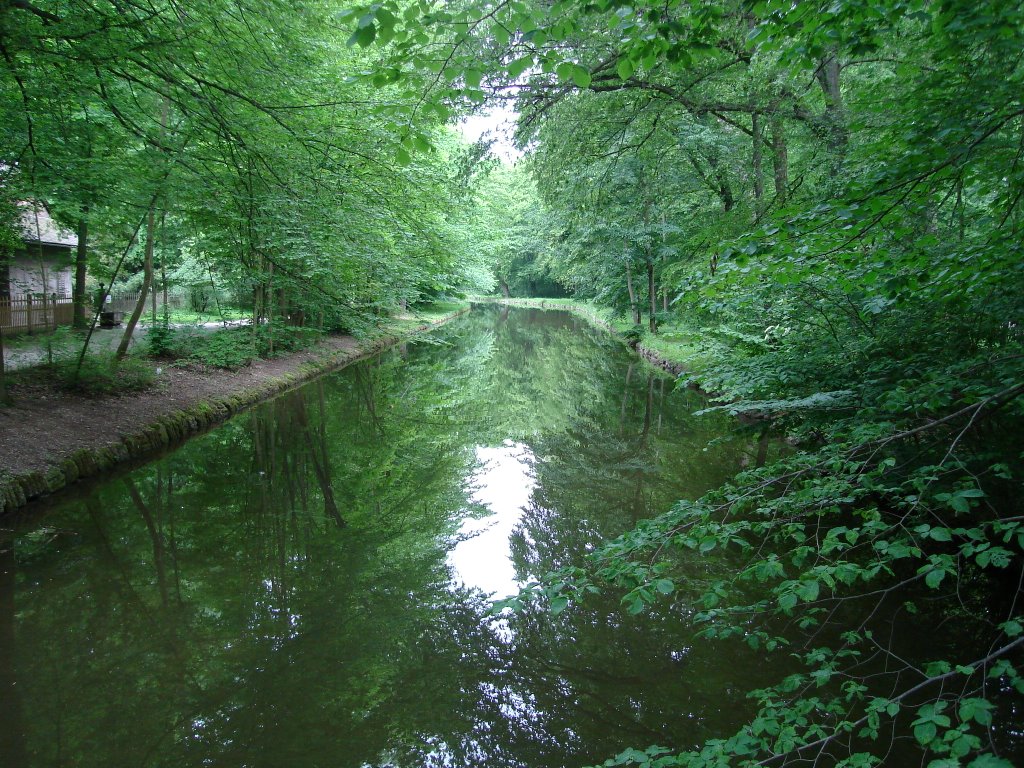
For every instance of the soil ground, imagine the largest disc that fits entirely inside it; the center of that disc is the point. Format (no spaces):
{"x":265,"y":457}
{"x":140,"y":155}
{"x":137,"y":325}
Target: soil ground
{"x":45,"y":425}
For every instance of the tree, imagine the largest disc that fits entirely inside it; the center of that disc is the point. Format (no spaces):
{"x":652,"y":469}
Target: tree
{"x":858,"y":296}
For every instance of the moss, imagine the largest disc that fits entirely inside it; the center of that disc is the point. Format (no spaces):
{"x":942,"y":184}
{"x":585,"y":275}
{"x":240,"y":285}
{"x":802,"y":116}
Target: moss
{"x":54,"y":479}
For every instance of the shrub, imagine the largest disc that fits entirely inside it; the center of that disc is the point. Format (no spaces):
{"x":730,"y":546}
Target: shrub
{"x":230,"y":348}
{"x":105,"y":375}
{"x":161,"y":341}
{"x":287,"y":338}
{"x":237,"y":347}
{"x":633,"y":335}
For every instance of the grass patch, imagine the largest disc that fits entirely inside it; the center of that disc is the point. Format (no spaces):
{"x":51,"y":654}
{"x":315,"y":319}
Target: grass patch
{"x":417,"y":316}
{"x":104,"y":375}
{"x":191,"y":317}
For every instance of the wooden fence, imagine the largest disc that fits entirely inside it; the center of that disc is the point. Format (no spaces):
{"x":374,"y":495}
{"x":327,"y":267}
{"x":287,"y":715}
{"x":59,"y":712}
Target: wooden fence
{"x":29,"y":314}
{"x":36,"y":313}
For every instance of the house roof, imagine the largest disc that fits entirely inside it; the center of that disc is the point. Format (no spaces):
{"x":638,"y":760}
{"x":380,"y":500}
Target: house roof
{"x":47,"y":231}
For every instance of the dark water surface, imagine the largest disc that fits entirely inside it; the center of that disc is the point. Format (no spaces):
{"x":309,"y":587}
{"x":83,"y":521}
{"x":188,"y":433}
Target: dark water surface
{"x":307,"y":585}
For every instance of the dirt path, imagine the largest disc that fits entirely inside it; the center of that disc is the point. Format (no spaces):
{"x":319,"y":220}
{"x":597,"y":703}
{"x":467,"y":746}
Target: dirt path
{"x":50,"y":438}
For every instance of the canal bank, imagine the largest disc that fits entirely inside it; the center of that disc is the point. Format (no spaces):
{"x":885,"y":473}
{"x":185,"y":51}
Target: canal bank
{"x":676,"y":357}
{"x":51,"y":439}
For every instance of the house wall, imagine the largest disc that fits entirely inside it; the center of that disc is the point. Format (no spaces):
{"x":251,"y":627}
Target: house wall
{"x":31,"y":274}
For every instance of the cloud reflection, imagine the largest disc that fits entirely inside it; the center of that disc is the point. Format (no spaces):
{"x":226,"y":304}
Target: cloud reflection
{"x":503,"y":484}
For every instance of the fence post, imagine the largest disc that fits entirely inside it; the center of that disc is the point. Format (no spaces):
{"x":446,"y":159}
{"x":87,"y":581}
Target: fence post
{"x":28,"y":312}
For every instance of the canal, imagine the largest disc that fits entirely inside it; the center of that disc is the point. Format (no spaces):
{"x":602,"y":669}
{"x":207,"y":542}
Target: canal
{"x":310,"y":584}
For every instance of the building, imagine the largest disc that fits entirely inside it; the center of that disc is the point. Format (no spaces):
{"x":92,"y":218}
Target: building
{"x":45,"y":263}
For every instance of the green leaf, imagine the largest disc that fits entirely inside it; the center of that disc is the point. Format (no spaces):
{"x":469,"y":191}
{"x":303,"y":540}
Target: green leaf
{"x":581,"y":77}
{"x":934,"y":577}
{"x":363,"y":36}
{"x":520,"y":65}
{"x":925,"y":733}
{"x":625,"y":69}
{"x":979,"y":710}
{"x":1012,"y":628}
{"x":808,"y":591}
{"x":990,"y":761}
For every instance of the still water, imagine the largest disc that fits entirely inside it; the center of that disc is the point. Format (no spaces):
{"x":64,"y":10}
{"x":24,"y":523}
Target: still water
{"x":309,"y":584}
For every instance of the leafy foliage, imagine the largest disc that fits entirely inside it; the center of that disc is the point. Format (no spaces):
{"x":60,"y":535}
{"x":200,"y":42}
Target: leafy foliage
{"x":826,"y":196}
{"x":237,"y":347}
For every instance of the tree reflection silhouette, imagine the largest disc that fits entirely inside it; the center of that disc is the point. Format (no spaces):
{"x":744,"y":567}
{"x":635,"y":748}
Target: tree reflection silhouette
{"x":278,"y":591}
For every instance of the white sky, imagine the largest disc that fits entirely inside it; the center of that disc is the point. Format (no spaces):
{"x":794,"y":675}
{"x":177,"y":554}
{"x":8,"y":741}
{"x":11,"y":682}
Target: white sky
{"x":498,"y":123}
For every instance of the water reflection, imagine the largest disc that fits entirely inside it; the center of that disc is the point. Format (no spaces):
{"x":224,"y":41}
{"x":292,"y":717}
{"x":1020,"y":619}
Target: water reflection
{"x":503,"y":485}
{"x":302,"y":586}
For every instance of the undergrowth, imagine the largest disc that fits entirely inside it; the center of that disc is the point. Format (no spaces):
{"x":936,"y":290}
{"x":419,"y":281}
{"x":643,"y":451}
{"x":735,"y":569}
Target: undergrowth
{"x":104,"y":375}
{"x":234,"y":348}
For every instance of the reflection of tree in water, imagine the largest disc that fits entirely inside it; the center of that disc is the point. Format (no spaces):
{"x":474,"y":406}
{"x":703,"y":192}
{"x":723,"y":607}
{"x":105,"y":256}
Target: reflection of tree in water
{"x":277,"y":591}
{"x":621,"y":679}
{"x":618,"y":464}
{"x":12,"y":729}
{"x":250,"y":579}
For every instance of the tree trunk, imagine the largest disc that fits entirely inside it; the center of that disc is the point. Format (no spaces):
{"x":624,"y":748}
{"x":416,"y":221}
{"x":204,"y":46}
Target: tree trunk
{"x":652,"y":296}
{"x":78,"y":293}
{"x":721,"y":183}
{"x":758,"y":169}
{"x":4,"y":397}
{"x":664,"y":239}
{"x":634,"y":307}
{"x":270,"y":311}
{"x":835,"y":121}
{"x":504,"y":287}
{"x":147,"y":280}
{"x":780,"y":160}
{"x":152,"y":303}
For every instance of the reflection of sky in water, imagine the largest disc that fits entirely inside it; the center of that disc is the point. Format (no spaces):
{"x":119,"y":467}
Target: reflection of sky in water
{"x":503,"y":485}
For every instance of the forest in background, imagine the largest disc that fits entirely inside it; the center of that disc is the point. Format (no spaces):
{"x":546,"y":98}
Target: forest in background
{"x":817,"y":203}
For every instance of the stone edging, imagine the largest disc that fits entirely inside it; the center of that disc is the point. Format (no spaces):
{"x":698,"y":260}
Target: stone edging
{"x":170,"y":430}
